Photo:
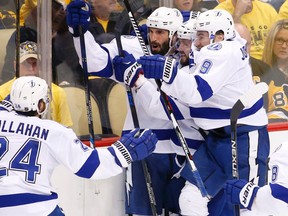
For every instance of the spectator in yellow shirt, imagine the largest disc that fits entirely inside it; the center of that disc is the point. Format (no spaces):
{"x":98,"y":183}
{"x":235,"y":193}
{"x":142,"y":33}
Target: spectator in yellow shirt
{"x":28,"y":67}
{"x":257,"y":16}
{"x":283,"y":11}
{"x":29,"y":8}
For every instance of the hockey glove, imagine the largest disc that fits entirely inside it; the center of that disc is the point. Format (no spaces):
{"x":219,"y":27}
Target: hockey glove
{"x":241,"y":192}
{"x":126,"y":69}
{"x":78,"y":14}
{"x":130,"y":148}
{"x":6,"y":105}
{"x":144,"y":32}
{"x":159,"y":67}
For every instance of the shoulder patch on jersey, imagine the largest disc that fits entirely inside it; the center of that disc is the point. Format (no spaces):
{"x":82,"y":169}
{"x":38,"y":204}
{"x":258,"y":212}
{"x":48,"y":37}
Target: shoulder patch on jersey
{"x":215,"y":46}
{"x":83,"y":146}
{"x":206,"y":66}
{"x":128,"y":36}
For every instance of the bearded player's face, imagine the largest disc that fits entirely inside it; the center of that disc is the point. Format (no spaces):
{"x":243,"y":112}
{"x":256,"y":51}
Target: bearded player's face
{"x":158,"y":41}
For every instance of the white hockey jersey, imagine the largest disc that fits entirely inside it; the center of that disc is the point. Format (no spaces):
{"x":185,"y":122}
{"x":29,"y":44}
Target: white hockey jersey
{"x":149,"y":98}
{"x":272,"y":199}
{"x":30,"y":149}
{"x":99,"y":63}
{"x":221,"y":76}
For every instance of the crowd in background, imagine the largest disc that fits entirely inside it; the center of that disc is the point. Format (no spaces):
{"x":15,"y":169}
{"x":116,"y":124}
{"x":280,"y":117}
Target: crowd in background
{"x":65,"y":62}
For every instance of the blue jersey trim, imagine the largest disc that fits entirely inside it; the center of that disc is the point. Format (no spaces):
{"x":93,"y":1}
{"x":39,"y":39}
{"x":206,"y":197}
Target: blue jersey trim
{"x":89,"y":167}
{"x":112,"y":151}
{"x":279,"y":192}
{"x":107,"y":71}
{"x":24,"y":198}
{"x":203,"y":88}
{"x":216,"y":113}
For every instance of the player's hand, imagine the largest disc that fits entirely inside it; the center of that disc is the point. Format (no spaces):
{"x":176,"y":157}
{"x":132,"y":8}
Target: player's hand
{"x":144,"y":32}
{"x":242,"y":7}
{"x":159,"y":67}
{"x":241,"y":192}
{"x":132,"y":148}
{"x":126,"y":68}
{"x":78,"y":14}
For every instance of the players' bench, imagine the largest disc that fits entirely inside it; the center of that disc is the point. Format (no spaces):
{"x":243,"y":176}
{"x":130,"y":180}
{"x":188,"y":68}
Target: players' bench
{"x":112,"y":100}
{"x":77,"y":103}
{"x":117,"y":107}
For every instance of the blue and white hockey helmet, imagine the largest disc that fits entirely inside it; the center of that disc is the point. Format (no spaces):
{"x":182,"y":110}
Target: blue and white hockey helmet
{"x":187,"y":29}
{"x":165,"y":18}
{"x":27,"y":91}
{"x":216,"y":20}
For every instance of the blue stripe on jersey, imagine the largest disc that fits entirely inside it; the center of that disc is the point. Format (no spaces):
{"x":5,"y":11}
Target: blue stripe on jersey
{"x":177,"y":113}
{"x":24,"y":198}
{"x":193,"y":144}
{"x":107,"y":71}
{"x":112,"y":151}
{"x":203,"y":88}
{"x":162,"y":134}
{"x":216,"y":113}
{"x":279,"y":192}
{"x":89,"y":167}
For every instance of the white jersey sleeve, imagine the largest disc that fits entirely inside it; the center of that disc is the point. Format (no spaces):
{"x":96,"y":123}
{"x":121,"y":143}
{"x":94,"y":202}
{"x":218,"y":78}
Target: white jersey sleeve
{"x":100,"y":57}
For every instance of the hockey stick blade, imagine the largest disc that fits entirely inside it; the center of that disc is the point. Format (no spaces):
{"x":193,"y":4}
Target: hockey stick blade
{"x":248,"y":99}
{"x":254,"y":94}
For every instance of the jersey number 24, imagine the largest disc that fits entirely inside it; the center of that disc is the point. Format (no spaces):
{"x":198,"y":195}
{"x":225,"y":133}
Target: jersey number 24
{"x":24,"y":160}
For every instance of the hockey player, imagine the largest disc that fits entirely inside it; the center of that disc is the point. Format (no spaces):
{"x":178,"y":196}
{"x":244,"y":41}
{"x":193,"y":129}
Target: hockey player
{"x":150,"y":99}
{"x":271,"y":199}
{"x":162,"y":24}
{"x":221,"y":76}
{"x":186,"y":35}
{"x":31,"y":148}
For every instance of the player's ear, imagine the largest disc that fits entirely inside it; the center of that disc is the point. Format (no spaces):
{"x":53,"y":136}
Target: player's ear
{"x":41,"y":106}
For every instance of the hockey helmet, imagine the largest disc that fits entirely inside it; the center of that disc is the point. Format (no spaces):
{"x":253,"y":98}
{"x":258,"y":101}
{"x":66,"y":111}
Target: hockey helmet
{"x":27,"y":91}
{"x":165,"y":18}
{"x":213,"y":21}
{"x":186,"y":30}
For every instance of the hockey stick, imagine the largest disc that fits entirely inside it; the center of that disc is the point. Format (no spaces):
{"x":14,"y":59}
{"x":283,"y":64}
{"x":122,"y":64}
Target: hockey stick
{"x":147,"y":176}
{"x":87,"y":88}
{"x":17,"y":37}
{"x":246,"y":100}
{"x":168,"y":108}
